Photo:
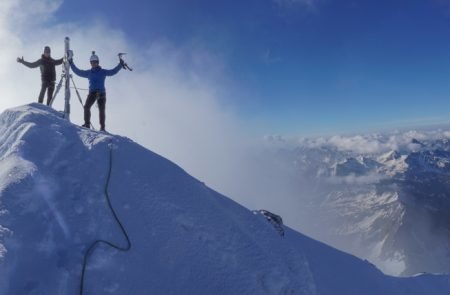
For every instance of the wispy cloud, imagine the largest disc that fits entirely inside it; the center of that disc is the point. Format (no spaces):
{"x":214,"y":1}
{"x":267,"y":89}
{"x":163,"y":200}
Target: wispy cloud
{"x":353,"y":179}
{"x":174,"y":102}
{"x":311,"y":4}
{"x":172,"y":99}
{"x":269,"y":58}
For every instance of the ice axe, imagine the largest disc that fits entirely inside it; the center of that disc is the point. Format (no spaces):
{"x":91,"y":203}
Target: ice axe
{"x":124,"y":64}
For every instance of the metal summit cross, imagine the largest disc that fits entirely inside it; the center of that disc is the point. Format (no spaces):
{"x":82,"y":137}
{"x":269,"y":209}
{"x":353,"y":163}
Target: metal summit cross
{"x":65,"y":75}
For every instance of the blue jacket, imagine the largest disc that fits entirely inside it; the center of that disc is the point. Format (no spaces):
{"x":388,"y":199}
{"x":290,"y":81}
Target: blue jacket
{"x":96,"y":76}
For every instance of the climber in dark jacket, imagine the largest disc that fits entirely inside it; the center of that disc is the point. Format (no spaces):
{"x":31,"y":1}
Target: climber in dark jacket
{"x":48,"y":74}
{"x":97,"y":92}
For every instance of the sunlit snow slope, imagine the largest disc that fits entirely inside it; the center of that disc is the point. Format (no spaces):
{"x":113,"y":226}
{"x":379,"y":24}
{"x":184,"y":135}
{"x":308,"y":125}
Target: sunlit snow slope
{"x":186,"y":238}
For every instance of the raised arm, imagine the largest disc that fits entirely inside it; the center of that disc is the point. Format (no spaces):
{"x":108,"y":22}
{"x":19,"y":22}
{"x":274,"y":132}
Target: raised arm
{"x":58,"y":62}
{"x":114,"y":71}
{"x":31,"y":65}
{"x":77,"y":71}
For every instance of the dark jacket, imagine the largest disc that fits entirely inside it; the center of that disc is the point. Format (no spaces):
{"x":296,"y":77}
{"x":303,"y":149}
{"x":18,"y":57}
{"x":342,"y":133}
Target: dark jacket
{"x":96,"y":76}
{"x":47,"y":66}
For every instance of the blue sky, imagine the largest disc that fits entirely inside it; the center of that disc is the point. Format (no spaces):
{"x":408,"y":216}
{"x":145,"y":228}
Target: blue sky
{"x":305,"y":67}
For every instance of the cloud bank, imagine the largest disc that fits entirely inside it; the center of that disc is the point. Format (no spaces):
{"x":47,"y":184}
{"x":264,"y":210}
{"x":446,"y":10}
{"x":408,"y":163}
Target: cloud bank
{"x":368,"y":144}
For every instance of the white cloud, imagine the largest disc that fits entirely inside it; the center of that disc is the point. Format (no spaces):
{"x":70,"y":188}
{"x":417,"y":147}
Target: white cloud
{"x":24,"y":14}
{"x":353,"y":179}
{"x":356,"y":144}
{"x":174,"y":102}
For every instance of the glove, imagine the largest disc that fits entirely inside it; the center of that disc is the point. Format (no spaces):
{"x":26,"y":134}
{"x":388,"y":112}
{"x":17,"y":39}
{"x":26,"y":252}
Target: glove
{"x":20,"y":59}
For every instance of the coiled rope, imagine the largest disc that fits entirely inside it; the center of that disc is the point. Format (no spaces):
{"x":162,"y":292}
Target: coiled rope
{"x":94,"y":244}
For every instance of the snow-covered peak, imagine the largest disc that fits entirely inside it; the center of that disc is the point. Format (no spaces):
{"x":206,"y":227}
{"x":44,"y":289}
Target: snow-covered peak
{"x":186,"y":238}
{"x":389,"y":156}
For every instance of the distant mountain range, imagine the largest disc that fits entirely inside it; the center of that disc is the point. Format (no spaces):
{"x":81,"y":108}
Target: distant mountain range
{"x":382,"y":197}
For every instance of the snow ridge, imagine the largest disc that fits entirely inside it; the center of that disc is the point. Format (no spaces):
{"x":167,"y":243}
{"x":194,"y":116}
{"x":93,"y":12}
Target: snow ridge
{"x":187,"y":238}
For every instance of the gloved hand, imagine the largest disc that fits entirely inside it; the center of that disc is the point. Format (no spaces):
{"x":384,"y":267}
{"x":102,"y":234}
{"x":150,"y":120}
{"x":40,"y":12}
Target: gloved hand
{"x":20,"y":59}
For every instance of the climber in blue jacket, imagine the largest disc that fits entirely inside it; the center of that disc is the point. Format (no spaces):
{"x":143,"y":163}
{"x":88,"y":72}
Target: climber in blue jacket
{"x":97,"y":91}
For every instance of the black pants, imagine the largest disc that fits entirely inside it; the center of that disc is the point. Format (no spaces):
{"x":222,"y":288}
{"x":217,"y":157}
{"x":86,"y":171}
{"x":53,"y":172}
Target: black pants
{"x":50,"y":87}
{"x":101,"y":101}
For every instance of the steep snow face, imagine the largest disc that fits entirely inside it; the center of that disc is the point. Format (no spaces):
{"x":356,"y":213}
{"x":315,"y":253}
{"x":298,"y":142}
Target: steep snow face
{"x":385,"y":198}
{"x":186,"y":238}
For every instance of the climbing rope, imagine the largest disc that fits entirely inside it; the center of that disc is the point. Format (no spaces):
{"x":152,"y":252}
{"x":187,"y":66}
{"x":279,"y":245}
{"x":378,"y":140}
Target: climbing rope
{"x":82,"y":89}
{"x":94,"y":244}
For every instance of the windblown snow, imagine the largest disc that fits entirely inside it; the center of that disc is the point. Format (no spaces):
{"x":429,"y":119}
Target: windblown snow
{"x":186,"y":238}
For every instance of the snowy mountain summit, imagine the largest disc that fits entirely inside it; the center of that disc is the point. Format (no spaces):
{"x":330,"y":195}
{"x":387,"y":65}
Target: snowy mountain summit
{"x":185,"y":238}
